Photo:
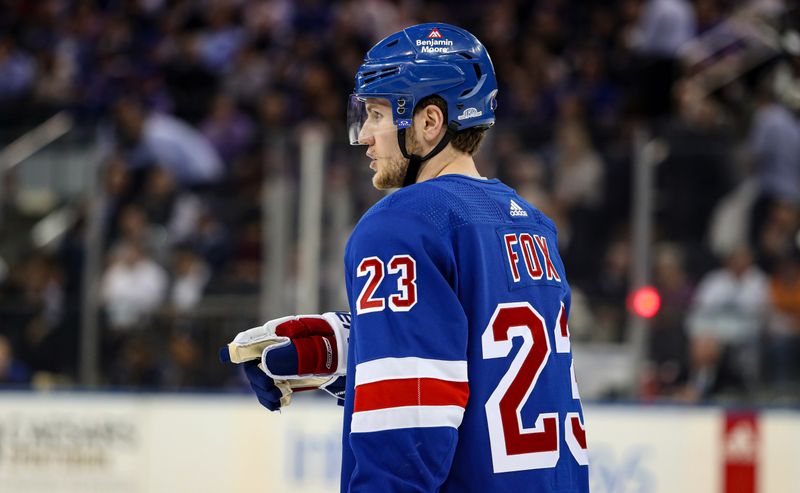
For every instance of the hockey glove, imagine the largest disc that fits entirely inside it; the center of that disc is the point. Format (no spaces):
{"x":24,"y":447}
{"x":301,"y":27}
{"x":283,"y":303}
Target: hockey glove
{"x":269,"y":394}
{"x":296,"y":353}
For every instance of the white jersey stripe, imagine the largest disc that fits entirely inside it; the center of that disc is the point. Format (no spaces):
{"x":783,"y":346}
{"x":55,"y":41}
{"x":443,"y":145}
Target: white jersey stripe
{"x":406,"y":417}
{"x":397,"y":368}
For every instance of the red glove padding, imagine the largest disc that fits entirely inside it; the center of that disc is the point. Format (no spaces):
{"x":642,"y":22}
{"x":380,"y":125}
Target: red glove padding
{"x":315,"y":349}
{"x":308,"y":345}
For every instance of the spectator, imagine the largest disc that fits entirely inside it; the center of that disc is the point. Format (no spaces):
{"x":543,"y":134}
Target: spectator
{"x":774,"y":144}
{"x":55,"y":82}
{"x":668,"y":341}
{"x":592,"y":84}
{"x":724,"y":325}
{"x":33,"y":294}
{"x":779,"y":230}
{"x":729,"y":225}
{"x":132,"y":287}
{"x":135,"y":227}
{"x":169,"y":207}
{"x":187,"y":368}
{"x":17,"y":68}
{"x":138,"y":364}
{"x":158,"y":139}
{"x":189,"y":82}
{"x":191,"y":274}
{"x":577,"y":194}
{"x":697,"y":171}
{"x":222,"y":40}
{"x":117,"y":182}
{"x":578,"y":169}
{"x":608,"y":290}
{"x":12,"y":371}
{"x":783,"y":334}
{"x":211,"y":240}
{"x":243,"y":274}
{"x":662,"y":28}
{"x":248,"y":76}
{"x":528,"y":172}
{"x":228,"y":129}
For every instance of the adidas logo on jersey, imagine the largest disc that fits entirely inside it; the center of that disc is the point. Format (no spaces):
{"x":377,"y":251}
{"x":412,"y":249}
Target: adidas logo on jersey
{"x":517,"y":211}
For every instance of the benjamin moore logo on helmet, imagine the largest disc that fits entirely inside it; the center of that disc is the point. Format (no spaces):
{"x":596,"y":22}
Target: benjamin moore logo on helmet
{"x":435,"y":43}
{"x":435,"y":33}
{"x":470,"y":113}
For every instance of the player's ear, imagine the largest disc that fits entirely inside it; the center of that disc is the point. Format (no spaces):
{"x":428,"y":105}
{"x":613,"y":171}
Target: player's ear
{"x":432,"y":123}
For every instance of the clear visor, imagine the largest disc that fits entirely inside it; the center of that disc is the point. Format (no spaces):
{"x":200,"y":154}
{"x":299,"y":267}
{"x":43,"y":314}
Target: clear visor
{"x":369,"y":117}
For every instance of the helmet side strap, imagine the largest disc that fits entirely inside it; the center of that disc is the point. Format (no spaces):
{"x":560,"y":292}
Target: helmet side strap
{"x":414,"y":161}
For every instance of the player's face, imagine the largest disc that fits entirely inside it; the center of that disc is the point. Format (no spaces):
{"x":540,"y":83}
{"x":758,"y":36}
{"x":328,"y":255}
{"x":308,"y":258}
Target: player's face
{"x":380,"y":134}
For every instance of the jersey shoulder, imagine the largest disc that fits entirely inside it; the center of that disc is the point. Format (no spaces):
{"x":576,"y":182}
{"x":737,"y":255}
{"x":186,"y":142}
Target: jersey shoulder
{"x":412,"y":220}
{"x":450,"y":202}
{"x":444,"y":204}
{"x":538,"y":215}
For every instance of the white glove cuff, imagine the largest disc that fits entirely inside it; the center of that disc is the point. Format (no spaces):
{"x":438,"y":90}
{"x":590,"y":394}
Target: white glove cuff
{"x":340,"y":322}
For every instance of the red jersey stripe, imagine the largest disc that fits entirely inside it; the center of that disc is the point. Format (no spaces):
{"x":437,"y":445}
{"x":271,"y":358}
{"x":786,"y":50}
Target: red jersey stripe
{"x":410,"y":392}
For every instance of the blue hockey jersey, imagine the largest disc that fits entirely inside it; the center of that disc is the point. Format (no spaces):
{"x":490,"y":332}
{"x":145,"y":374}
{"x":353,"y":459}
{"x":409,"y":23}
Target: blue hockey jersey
{"x":460,"y":375}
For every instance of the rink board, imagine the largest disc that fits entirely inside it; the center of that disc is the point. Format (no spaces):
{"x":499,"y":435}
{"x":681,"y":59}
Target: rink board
{"x":131,"y":443}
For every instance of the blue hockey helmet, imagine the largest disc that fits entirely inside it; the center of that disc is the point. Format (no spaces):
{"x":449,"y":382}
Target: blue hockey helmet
{"x":421,"y":61}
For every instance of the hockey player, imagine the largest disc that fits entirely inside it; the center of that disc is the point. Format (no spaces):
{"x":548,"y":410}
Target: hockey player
{"x":459,"y":374}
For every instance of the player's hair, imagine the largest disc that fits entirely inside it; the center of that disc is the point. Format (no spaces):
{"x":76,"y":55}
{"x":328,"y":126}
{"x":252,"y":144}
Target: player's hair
{"x":467,"y":140}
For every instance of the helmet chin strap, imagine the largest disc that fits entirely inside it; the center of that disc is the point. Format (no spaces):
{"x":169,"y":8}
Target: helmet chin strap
{"x":415,"y":161}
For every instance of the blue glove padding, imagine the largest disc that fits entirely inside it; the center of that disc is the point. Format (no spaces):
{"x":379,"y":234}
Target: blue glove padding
{"x":267,"y":393}
{"x":282,"y":360}
{"x":224,"y":354}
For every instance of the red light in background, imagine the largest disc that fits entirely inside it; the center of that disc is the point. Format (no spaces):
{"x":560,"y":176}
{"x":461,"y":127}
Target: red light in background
{"x":645,"y":302}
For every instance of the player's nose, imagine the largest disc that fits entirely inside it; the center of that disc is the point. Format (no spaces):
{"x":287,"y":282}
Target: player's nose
{"x":365,"y":138}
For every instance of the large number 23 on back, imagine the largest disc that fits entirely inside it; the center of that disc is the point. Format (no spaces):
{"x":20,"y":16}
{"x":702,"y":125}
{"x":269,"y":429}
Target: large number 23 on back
{"x":515,"y":448}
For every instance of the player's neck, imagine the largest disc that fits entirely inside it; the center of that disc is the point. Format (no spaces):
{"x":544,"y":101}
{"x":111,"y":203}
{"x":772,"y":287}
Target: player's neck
{"x":448,"y":162}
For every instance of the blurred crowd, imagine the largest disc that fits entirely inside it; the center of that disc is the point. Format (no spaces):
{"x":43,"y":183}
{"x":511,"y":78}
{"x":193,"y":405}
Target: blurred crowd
{"x":199,"y":103}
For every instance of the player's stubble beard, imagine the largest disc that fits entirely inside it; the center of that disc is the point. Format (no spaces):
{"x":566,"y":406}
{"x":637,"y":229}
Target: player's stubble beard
{"x":392,"y":171}
{"x":390,"y":174}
